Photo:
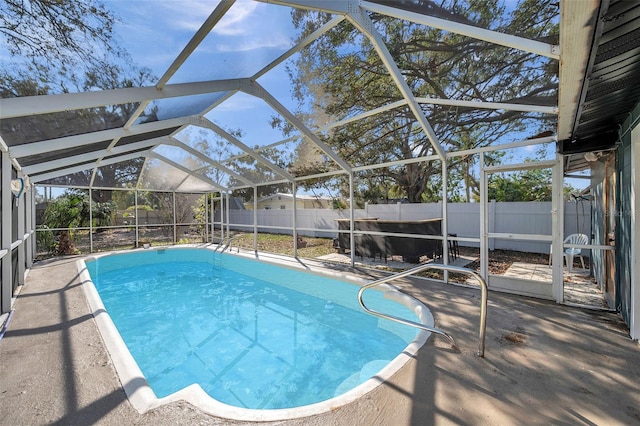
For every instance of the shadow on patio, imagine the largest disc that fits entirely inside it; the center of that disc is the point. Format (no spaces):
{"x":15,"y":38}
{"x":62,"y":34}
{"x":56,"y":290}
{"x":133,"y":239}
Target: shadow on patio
{"x":544,"y":364}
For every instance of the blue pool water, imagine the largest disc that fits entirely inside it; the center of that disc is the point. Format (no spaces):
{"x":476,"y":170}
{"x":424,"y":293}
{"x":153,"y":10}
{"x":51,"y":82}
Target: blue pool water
{"x":251,"y":334}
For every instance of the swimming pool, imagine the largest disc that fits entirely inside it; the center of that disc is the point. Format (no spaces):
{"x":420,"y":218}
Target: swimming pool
{"x":245,"y":336}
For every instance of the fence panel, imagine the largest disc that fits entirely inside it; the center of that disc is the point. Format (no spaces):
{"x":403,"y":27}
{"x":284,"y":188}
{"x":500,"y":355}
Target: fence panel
{"x":463,"y":220}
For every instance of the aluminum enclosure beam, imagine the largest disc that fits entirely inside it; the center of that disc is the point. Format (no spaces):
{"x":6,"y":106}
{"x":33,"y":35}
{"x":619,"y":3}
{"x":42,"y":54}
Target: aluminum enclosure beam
{"x":5,"y":148}
{"x":520,"y":43}
{"x":33,"y":148}
{"x":255,"y":89}
{"x":421,"y":100}
{"x":299,"y":46}
{"x":362,"y":21}
{"x":329,"y":6}
{"x":357,"y":117}
{"x":195,"y":41}
{"x":203,"y":122}
{"x":96,"y":155}
{"x":209,"y":160}
{"x":44,"y":104}
{"x":490,"y":105}
{"x":85,"y":167}
{"x":187,"y":171}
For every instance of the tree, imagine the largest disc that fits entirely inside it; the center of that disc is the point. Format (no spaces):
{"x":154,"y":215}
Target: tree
{"x":69,"y":211}
{"x":57,"y":47}
{"x":528,"y":185}
{"x":218,"y":149}
{"x":255,"y":171}
{"x":342,"y":75}
{"x":52,"y":40}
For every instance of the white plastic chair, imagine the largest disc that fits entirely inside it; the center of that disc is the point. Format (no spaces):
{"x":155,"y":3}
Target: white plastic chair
{"x":570,"y":253}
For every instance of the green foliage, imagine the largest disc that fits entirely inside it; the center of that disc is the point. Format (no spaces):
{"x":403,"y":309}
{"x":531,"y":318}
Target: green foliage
{"x":69,"y":211}
{"x":529,"y":185}
{"x":144,"y":207}
{"x":339,"y":204}
{"x":200,"y":209}
{"x":45,"y":239}
{"x":62,"y":32}
{"x":61,"y":43}
{"x":59,"y":47}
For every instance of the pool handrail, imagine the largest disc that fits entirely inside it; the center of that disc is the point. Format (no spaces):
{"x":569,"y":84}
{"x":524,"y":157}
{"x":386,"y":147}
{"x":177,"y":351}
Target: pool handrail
{"x":483,"y":302}
{"x":228,"y":243}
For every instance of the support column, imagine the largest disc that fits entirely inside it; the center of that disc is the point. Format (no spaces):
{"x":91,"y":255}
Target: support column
{"x":213,"y":217}
{"x":352,"y":243}
{"x":491,"y":218}
{"x":175,"y":219}
{"x":295,"y":229}
{"x":34,"y":225}
{"x":22,"y":255}
{"x":222,"y":210}
{"x":206,"y":217}
{"x":445,"y":227}
{"x":6,"y":286}
{"x":484,"y":223}
{"x":255,"y":219}
{"x":30,"y":225}
{"x":557,"y":230}
{"x":228,"y":216}
{"x":135,"y":202}
{"x":90,"y":222}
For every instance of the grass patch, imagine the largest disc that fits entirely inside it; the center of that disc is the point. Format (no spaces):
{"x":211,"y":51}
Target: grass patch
{"x":283,"y":244}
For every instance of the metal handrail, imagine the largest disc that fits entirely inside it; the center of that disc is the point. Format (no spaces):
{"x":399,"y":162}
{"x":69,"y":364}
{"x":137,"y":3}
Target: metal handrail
{"x":229,"y":240}
{"x":483,"y":302}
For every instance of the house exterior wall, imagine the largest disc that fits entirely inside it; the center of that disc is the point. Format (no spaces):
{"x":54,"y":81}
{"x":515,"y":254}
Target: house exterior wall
{"x":635,"y":232}
{"x":281,"y":204}
{"x":16,"y":243}
{"x":627,"y":229}
{"x":603,"y":212}
{"x":278,"y":202}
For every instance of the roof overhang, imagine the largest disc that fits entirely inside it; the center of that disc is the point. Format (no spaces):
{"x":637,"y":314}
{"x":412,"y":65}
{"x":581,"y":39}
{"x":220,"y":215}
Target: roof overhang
{"x":578,"y":30}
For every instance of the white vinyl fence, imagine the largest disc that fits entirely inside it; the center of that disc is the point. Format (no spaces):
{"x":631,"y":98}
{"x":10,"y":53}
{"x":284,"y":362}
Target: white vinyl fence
{"x":463,"y":220}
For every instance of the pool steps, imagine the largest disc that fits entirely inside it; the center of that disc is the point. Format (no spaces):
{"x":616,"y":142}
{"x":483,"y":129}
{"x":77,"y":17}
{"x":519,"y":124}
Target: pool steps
{"x":369,"y":370}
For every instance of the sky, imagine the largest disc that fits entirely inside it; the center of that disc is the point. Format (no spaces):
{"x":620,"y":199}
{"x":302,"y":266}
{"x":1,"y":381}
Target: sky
{"x":250,"y":35}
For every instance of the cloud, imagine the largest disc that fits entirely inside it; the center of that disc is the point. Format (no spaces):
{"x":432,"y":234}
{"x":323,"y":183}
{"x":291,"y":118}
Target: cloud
{"x":188,"y":15}
{"x":279,"y":41}
{"x":235,"y":21}
{"x":239,"y":102}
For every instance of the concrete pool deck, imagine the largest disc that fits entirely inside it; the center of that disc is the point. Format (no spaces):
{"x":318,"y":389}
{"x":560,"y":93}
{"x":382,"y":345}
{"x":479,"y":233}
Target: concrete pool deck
{"x":544,"y":364}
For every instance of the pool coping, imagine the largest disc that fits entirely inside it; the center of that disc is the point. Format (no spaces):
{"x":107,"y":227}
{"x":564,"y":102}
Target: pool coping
{"x":143,"y":399}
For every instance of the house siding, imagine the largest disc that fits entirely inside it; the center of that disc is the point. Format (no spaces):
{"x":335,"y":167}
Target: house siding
{"x":624,"y":218}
